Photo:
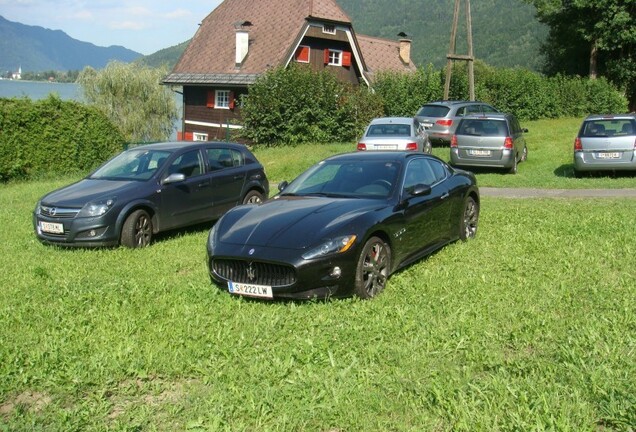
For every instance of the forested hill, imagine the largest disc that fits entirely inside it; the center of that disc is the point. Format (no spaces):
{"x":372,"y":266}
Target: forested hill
{"x":505,"y":32}
{"x":39,"y":49}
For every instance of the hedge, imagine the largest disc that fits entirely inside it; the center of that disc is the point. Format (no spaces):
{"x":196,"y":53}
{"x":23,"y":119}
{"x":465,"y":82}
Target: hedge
{"x":51,"y":135}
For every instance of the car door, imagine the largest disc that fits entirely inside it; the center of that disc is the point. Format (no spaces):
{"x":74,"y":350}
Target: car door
{"x":426,"y":217}
{"x":228,"y":175}
{"x":188,"y":201}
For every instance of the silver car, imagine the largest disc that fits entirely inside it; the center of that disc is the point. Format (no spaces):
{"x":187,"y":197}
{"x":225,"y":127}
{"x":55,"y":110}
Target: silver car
{"x":395,"y":133}
{"x":491,"y":140}
{"x":440,"y":118}
{"x":606,"y":142}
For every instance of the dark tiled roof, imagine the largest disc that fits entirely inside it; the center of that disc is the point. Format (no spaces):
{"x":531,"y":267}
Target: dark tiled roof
{"x":383,"y":55}
{"x":210,"y":78}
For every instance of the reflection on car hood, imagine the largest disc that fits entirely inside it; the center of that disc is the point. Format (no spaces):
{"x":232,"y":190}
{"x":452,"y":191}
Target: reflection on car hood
{"x":292,"y":222}
{"x":78,"y":194}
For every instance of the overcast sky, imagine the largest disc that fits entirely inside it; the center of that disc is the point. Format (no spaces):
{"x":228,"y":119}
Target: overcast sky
{"x":145,"y":26}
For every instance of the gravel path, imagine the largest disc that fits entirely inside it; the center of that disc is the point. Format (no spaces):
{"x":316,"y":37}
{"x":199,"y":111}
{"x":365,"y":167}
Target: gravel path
{"x":556,"y":193}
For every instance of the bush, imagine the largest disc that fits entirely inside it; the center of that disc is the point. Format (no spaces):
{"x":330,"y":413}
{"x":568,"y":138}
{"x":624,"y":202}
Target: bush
{"x":296,"y":105}
{"x":52,"y":135}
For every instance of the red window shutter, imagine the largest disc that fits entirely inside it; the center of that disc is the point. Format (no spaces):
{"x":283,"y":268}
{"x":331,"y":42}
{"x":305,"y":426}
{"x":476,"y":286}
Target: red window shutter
{"x":189,"y":136}
{"x":302,"y":54}
{"x":210,"y":100}
{"x":231,"y":100}
{"x":346,"y":58}
{"x":326,"y":56}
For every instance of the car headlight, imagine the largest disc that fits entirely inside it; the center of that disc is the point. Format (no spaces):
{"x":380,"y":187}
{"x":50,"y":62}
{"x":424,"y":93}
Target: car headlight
{"x":335,"y":245}
{"x":96,"y":208}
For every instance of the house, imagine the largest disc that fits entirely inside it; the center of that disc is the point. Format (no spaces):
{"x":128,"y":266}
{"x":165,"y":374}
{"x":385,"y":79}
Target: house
{"x":242,"y":39}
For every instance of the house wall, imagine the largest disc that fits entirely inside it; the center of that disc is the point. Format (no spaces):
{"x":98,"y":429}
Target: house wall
{"x":317,"y":62}
{"x":201,"y":119}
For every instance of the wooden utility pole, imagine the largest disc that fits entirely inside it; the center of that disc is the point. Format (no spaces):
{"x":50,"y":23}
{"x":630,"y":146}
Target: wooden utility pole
{"x":452,"y":55}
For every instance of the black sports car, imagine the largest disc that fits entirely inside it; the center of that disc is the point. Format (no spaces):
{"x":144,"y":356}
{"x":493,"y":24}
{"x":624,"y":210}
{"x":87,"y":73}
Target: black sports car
{"x":343,"y":226}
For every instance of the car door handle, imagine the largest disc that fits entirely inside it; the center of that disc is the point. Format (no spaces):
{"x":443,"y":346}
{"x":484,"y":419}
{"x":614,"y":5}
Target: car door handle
{"x":204,"y":184}
{"x":445,"y":195}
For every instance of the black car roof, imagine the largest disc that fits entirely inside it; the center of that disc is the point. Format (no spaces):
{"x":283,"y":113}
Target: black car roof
{"x":178,"y":145}
{"x":388,"y":156}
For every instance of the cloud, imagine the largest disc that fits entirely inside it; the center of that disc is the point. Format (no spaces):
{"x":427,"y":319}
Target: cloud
{"x":127,"y":25}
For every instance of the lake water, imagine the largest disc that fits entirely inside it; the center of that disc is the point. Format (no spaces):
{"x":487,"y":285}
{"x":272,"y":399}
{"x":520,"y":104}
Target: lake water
{"x":37,"y":90}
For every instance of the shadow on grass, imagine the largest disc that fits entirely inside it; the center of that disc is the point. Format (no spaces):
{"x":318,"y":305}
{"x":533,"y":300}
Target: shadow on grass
{"x":567,"y":171}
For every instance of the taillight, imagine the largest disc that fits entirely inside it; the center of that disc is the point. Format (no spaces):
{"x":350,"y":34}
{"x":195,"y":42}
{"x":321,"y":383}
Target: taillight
{"x":444,"y":122}
{"x":411,"y":146}
{"x":508,"y":143}
{"x":579,"y":147}
{"x":454,"y":141}
{"x":362,"y":146}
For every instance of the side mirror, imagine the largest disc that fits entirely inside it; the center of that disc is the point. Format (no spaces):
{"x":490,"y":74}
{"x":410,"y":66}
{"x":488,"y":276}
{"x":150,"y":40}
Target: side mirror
{"x":421,"y":189}
{"x":524,"y":130}
{"x":174,"y":178}
{"x":282,"y":186}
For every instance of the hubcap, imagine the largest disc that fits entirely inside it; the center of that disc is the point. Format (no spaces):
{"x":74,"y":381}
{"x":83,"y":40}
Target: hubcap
{"x":143,"y":231}
{"x":375,"y":269}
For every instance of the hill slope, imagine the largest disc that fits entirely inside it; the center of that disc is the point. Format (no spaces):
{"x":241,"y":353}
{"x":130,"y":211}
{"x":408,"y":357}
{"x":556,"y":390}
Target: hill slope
{"x":38,"y":49}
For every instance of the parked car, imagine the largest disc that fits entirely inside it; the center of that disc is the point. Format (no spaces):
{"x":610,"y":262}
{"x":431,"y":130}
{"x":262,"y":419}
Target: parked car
{"x":395,"y":133}
{"x":440,"y":118}
{"x":148,"y":189}
{"x":343,"y":226}
{"x":606,"y":142}
{"x":489,"y":140}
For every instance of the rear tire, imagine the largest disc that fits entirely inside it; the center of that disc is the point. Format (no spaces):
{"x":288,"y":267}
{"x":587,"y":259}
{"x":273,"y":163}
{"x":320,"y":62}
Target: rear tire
{"x":373,"y":269}
{"x":524,"y":154}
{"x":137,"y":230}
{"x":513,"y":168}
{"x":470,"y":219}
{"x":253,"y":197}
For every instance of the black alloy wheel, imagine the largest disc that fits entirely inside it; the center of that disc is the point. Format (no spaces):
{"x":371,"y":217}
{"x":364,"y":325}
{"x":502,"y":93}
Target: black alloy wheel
{"x":137,"y":230}
{"x":373,"y":269}
{"x":470,"y":219}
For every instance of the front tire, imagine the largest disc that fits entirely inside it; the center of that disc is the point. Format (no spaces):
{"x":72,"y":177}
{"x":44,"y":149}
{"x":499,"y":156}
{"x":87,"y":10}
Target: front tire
{"x":137,"y":230}
{"x":253,"y":197}
{"x":373,"y":269}
{"x":470,"y":219}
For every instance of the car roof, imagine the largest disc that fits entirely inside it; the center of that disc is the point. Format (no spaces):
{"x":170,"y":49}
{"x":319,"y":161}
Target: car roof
{"x":387,"y":156}
{"x":489,"y":116}
{"x":454,"y":102}
{"x":398,"y":120}
{"x":610,"y":116}
{"x":178,"y":145}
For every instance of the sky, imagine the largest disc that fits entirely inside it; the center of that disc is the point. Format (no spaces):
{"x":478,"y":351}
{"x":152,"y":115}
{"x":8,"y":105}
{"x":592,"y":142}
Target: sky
{"x":145,"y":26}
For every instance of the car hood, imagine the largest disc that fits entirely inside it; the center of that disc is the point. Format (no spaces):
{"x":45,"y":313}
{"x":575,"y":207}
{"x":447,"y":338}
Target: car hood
{"x":87,"y":190}
{"x":293,"y":222}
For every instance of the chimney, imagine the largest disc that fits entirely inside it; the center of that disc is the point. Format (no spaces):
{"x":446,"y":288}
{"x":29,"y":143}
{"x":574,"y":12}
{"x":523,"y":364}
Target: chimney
{"x":405,"y":50}
{"x":242,"y":41}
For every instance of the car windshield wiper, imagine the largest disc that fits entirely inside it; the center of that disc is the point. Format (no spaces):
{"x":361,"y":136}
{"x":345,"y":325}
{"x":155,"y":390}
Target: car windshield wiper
{"x":327,"y":194}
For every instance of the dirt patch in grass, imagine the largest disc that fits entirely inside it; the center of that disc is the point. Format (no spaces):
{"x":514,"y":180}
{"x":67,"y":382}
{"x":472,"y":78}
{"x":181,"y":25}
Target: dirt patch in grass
{"x":28,"y":400}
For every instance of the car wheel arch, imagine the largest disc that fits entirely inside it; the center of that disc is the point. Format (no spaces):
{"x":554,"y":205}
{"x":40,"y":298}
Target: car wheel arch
{"x":130,"y":208}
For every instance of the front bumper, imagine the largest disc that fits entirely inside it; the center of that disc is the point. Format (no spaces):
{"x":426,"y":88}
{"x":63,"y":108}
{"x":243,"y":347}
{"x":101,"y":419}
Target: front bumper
{"x":78,"y":232}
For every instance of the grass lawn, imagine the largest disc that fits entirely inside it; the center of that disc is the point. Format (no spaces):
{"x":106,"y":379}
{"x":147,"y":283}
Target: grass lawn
{"x":530,"y":326}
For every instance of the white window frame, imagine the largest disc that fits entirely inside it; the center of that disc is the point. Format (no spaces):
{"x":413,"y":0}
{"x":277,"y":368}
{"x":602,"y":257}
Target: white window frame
{"x":222,"y":99}
{"x":329,"y":29}
{"x":335,"y":57}
{"x":199,"y":136}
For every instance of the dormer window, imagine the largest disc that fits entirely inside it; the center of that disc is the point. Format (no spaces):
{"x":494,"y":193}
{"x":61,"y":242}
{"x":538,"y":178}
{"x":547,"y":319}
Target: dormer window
{"x":329,"y":29}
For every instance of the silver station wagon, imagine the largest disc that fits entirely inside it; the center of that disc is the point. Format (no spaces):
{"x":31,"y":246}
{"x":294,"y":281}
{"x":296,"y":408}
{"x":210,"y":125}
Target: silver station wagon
{"x":490,"y":140}
{"x":606,"y":142}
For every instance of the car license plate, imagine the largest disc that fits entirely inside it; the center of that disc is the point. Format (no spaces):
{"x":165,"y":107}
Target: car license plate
{"x":53,"y":228}
{"x":612,"y":155}
{"x":386,"y":147}
{"x":481,"y":153}
{"x":427,"y":125}
{"x":250,"y":290}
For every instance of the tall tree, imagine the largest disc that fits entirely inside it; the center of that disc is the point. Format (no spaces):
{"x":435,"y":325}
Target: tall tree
{"x":132,"y":97}
{"x":592,"y":37}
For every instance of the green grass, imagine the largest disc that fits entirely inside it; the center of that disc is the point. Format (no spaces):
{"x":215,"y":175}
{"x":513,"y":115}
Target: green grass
{"x":549,"y":165}
{"x":530,"y":326}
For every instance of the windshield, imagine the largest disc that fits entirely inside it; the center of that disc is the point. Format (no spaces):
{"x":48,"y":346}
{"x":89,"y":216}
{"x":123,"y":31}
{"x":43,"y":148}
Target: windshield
{"x":133,"y":164}
{"x":483,"y":127}
{"x":608,"y":127}
{"x":347,"y":179}
{"x":433,"y":111}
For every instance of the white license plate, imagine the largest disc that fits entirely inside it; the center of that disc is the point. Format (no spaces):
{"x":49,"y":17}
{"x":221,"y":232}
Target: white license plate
{"x":612,"y":155}
{"x":250,"y":290}
{"x":482,"y":153}
{"x":386,"y":147}
{"x":54,"y":228}
{"x":427,"y":125}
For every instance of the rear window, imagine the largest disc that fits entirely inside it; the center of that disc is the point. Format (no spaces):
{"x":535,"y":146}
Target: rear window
{"x":608,"y":128}
{"x":389,"y":130}
{"x":483,"y":127}
{"x":433,"y":111}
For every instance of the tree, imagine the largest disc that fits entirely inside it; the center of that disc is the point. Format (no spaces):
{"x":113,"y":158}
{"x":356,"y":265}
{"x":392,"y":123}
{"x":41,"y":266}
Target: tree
{"x":132,"y":97}
{"x":592,"y":37}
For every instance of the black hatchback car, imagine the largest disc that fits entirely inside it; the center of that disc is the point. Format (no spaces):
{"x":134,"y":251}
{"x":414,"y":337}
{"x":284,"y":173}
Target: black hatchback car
{"x":148,"y":189}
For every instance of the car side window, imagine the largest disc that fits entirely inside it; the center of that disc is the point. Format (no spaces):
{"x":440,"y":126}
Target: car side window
{"x":221,"y":158}
{"x":418,"y":171}
{"x":439,"y":170}
{"x":189,"y":164}
{"x":461,"y":112}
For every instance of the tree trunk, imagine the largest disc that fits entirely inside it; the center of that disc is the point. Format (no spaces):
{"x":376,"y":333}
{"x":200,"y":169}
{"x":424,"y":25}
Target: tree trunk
{"x":593,"y":61}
